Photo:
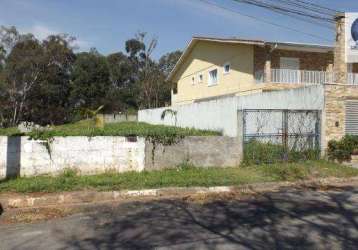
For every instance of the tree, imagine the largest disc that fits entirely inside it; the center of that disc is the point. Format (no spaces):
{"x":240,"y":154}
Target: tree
{"x":90,"y":81}
{"x":121,"y":70}
{"x":168,"y":62}
{"x":49,"y":99}
{"x":23,"y":68}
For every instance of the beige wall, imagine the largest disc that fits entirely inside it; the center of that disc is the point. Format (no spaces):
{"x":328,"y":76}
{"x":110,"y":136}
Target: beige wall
{"x":206,"y":56}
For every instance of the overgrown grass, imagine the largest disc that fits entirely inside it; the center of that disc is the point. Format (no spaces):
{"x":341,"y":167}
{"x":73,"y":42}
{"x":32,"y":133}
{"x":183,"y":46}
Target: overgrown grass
{"x":86,"y":128}
{"x":256,"y":152}
{"x":183,"y":176}
{"x":9,"y":131}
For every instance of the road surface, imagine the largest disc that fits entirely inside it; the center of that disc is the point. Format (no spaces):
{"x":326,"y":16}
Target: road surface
{"x":289,"y":219}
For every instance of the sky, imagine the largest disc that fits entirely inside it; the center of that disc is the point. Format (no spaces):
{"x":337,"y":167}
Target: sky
{"x":107,"y":24}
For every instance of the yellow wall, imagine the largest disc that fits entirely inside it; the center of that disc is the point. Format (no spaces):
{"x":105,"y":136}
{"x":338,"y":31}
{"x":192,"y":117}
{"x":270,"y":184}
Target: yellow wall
{"x":206,"y":56}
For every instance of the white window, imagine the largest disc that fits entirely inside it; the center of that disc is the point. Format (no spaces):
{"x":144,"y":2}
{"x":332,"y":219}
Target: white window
{"x":213,"y":77}
{"x":227,"y":68}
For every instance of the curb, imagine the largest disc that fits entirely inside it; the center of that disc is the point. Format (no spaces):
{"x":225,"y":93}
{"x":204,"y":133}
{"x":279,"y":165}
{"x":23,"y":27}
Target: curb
{"x":10,"y":201}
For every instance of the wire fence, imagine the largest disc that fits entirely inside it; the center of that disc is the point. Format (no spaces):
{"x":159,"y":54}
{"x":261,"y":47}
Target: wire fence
{"x":281,"y":135}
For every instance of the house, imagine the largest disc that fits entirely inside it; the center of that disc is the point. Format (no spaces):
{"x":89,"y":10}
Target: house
{"x":217,"y":67}
{"x":220,"y":83}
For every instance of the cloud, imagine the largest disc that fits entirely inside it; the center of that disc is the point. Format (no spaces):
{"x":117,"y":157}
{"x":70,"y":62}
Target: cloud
{"x":41,"y":32}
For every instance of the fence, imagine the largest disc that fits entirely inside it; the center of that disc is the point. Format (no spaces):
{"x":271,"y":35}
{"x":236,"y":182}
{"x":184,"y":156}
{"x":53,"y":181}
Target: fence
{"x":280,"y":135}
{"x":300,"y":76}
{"x":352,"y":78}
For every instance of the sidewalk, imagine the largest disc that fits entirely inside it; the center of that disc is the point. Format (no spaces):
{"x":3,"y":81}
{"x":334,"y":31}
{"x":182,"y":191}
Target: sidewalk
{"x":14,"y":200}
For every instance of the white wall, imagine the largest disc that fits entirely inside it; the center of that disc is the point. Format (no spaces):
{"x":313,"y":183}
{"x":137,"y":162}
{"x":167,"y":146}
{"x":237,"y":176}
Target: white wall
{"x":217,"y":115}
{"x":95,"y":155}
{"x":89,"y":155}
{"x":221,"y":114}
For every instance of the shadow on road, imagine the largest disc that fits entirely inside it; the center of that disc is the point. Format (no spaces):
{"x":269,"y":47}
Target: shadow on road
{"x":287,"y":219}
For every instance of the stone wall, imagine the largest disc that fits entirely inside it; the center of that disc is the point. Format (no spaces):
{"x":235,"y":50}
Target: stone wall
{"x":308,"y":60}
{"x":199,"y":151}
{"x":94,"y":155}
{"x":334,"y":110}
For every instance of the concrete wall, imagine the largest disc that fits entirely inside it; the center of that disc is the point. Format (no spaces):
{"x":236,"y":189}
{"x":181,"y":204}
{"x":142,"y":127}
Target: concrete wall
{"x":112,"y":118}
{"x":201,"y":151}
{"x":221,"y":114}
{"x":94,"y":155}
{"x":90,"y":155}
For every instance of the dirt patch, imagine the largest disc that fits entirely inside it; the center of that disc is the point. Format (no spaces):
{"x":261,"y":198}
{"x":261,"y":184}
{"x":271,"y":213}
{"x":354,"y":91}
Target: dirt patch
{"x":36,"y":215}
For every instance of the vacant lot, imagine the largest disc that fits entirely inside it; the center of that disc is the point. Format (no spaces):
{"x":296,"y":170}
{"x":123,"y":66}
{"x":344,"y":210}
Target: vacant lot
{"x":181,"y":176}
{"x":87,"y":128}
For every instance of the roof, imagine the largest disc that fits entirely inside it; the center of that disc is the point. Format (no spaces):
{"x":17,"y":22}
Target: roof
{"x":280,"y":45}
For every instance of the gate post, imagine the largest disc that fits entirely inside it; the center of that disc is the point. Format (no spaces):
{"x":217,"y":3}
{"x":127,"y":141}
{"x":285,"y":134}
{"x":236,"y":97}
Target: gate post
{"x":285,"y":132}
{"x":240,"y":133}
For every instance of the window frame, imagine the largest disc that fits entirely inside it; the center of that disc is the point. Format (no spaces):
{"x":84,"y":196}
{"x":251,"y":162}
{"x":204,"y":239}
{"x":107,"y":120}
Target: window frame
{"x":200,"y":78}
{"x":210,"y":82}
{"x":224,"y":66}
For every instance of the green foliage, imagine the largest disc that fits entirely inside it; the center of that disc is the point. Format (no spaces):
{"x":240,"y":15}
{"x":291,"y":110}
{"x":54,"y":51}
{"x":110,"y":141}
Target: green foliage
{"x":286,"y":173}
{"x":45,"y":82}
{"x":45,"y":139}
{"x":184,"y":176}
{"x":164,"y":134}
{"x":90,"y":80}
{"x":256,"y":152}
{"x":343,"y":149}
{"x":173,"y":113}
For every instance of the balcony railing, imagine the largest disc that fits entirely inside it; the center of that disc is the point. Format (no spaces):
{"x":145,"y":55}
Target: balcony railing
{"x":303,"y":77}
{"x":352,"y":78}
{"x":300,"y":76}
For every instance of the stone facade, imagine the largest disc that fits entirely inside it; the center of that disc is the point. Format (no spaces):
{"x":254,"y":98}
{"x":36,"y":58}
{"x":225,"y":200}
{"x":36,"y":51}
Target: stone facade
{"x":334,"y":110}
{"x":308,"y":60}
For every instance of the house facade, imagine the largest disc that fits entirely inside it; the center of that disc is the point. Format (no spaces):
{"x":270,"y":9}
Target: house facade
{"x":216,"y":80}
{"x":213,"y":67}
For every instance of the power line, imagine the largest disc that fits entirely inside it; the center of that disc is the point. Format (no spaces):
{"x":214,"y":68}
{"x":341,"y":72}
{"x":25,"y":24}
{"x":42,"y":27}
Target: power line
{"x":265,"y":21}
{"x":301,"y":4}
{"x":293,"y":12}
{"x":319,"y":6}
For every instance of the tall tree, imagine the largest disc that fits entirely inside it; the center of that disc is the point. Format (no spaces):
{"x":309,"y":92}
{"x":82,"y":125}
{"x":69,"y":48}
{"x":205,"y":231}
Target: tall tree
{"x":168,"y":61}
{"x":54,"y":88}
{"x":90,"y":80}
{"x":23,"y":68}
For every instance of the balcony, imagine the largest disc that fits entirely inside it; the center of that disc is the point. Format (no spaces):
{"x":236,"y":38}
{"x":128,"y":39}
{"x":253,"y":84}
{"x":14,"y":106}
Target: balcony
{"x":352,"y":78}
{"x":289,"y":76}
{"x":300,"y":76}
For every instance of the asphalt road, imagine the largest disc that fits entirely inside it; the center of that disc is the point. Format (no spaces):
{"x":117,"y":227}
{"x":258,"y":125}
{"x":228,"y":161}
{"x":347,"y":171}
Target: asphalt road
{"x":284,"y":220}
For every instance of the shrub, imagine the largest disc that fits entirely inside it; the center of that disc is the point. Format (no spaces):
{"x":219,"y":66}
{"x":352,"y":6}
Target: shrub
{"x":343,"y":149}
{"x":256,"y":152}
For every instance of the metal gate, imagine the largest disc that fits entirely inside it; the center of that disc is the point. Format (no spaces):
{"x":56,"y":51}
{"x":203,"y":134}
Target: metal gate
{"x":272,"y":135}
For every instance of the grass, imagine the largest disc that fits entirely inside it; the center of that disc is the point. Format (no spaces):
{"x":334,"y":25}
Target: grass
{"x":86,"y":128}
{"x":185,"y":176}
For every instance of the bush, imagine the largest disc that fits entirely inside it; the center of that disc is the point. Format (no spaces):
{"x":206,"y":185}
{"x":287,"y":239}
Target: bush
{"x":256,"y":152}
{"x":343,"y":149}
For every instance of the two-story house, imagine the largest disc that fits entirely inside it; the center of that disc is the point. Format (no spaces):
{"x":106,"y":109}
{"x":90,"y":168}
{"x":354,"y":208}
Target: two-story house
{"x":215,"y":67}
